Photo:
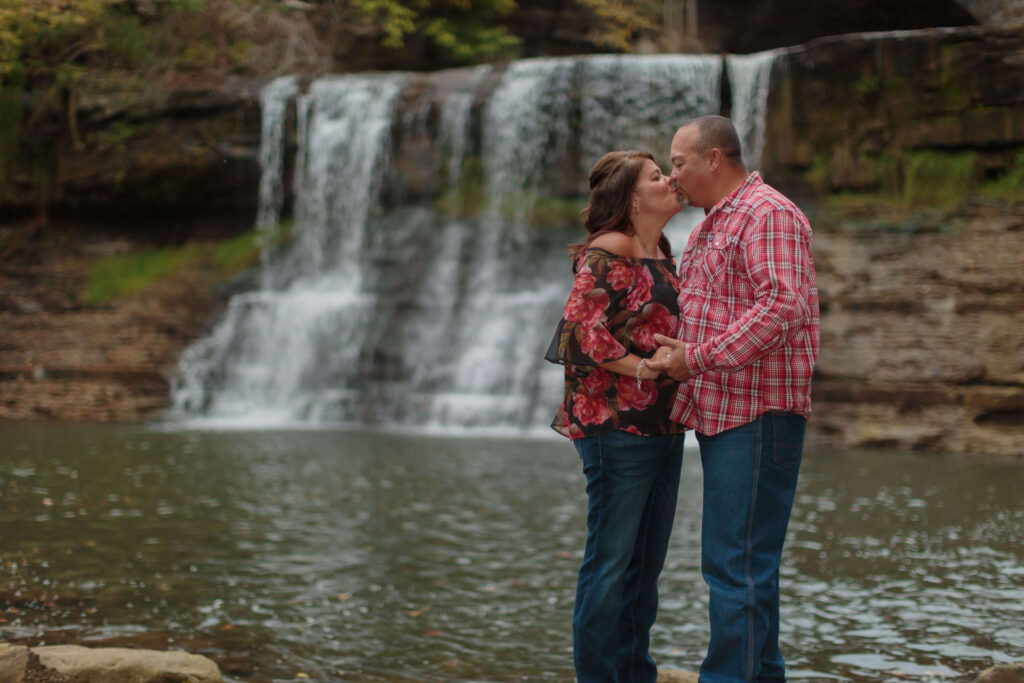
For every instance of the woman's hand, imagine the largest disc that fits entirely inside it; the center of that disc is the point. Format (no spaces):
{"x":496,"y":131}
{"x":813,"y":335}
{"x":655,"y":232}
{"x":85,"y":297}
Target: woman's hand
{"x":647,"y":372}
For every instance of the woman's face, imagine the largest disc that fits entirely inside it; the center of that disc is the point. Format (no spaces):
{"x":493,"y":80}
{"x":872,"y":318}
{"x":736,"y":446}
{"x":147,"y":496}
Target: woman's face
{"x":653,"y":193}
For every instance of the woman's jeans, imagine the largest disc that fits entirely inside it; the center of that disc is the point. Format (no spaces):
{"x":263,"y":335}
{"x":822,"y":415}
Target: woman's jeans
{"x":632,"y":485}
{"x":750,"y":476}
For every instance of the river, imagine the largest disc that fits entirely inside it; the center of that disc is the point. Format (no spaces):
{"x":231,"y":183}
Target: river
{"x":371,"y":556}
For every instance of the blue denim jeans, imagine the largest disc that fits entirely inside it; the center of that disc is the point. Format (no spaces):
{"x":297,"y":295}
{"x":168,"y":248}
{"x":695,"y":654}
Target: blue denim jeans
{"x":632,"y":486}
{"x":750,"y":476}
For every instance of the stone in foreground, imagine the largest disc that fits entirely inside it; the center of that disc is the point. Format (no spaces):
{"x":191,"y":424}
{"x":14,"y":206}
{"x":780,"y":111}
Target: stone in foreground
{"x":18,"y":664}
{"x":676,"y":676}
{"x":1003,"y":673}
{"x":123,"y":665}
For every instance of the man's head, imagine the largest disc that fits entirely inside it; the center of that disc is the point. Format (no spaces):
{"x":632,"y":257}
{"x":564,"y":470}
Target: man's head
{"x":707,"y":162}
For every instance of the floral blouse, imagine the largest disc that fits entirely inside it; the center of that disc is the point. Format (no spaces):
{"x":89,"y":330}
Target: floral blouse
{"x":616,"y":306}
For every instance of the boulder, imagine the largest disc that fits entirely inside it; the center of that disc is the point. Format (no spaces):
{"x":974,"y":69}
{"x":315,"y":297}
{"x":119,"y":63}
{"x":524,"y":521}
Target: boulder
{"x":18,"y":664}
{"x":1003,"y":673}
{"x":676,"y":676}
{"x":123,"y":665}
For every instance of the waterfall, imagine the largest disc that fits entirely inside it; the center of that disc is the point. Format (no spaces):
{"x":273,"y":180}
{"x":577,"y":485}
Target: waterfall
{"x":427,"y":268}
{"x":279,"y":347}
{"x":274,"y":104}
{"x":750,"y":78}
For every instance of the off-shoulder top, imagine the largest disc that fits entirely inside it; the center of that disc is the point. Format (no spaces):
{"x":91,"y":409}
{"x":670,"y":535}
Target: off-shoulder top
{"x":616,"y":306}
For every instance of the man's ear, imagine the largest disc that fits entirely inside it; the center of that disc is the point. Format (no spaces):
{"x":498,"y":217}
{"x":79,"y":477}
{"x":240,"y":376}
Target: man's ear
{"x":714,"y":158}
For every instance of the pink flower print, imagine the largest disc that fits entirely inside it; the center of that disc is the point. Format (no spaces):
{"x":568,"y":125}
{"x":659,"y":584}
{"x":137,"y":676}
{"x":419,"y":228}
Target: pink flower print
{"x":620,"y":274}
{"x":653,"y":319}
{"x":596,"y":381}
{"x":590,"y":409}
{"x":632,"y":397}
{"x":640,"y":294}
{"x":587,"y":309}
{"x":599,"y":344}
{"x":632,"y":429}
{"x":584,"y":281}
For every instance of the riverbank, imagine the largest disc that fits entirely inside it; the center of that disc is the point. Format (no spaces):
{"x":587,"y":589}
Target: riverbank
{"x":72,"y":354}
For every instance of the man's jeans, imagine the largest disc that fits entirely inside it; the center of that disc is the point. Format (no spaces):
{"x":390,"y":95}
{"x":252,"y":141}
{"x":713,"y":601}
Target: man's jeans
{"x":750,"y":476}
{"x":632,"y":486}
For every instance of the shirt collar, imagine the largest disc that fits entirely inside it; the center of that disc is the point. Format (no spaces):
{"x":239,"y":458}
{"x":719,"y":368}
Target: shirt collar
{"x":727,"y":202}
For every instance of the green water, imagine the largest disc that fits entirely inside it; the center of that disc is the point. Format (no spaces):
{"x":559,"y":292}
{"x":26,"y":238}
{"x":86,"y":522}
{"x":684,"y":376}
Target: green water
{"x":347,"y":556}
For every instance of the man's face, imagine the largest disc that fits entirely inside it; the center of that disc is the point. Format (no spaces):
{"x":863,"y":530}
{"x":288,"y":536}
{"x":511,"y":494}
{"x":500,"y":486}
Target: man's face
{"x":690,"y":175}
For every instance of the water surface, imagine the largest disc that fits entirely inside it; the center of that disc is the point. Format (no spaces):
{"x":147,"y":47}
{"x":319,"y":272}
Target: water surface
{"x":346,"y":556}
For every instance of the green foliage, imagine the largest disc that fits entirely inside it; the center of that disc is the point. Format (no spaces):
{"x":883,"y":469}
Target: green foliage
{"x":238,"y":253}
{"x":867,"y":87}
{"x":914,"y":180}
{"x":1008,"y":186}
{"x":116,"y":137}
{"x":469,"y":43}
{"x":466,"y":30}
{"x":124,"y":41}
{"x":938,"y":178}
{"x":619,"y":22}
{"x":392,"y":18}
{"x":819,"y":175}
{"x":469,"y":31}
{"x":128,"y":274}
{"x":558,"y":212}
{"x":125,"y":275}
{"x":38,"y":33}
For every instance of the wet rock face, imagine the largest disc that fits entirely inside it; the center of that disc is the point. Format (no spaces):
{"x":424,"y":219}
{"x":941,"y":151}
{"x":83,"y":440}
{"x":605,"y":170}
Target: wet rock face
{"x":743,"y":26}
{"x":994,"y":11}
{"x":921,"y":332}
{"x":166,"y":162}
{"x":945,"y":91}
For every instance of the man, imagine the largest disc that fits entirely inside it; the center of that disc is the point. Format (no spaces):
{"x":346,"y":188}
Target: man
{"x":745,"y":350}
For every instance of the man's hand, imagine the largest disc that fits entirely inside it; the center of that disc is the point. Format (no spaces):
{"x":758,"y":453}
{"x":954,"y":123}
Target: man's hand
{"x":670,"y":358}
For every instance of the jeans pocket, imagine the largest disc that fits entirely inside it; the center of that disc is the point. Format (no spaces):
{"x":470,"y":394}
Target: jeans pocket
{"x":787,"y":438}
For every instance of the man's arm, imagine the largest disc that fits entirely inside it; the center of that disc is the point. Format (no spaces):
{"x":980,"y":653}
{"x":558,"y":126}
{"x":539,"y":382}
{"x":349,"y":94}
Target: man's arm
{"x":778,"y":258}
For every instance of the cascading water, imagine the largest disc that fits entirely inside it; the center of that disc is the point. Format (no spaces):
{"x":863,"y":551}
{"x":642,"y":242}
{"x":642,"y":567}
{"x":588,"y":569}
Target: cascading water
{"x":427,"y":266}
{"x":280,"y":347}
{"x":749,"y":78}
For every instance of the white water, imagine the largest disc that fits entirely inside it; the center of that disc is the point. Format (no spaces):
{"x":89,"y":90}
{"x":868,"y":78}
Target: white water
{"x":392,"y":308}
{"x":749,"y":78}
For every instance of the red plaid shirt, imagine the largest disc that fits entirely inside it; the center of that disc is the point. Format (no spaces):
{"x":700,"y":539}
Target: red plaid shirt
{"x":748,"y":311}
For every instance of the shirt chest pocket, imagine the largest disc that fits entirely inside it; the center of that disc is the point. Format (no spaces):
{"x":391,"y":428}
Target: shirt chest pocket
{"x":708,"y":260}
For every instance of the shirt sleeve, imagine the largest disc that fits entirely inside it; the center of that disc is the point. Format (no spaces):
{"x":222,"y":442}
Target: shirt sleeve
{"x":584,"y":334}
{"x":777,"y":252}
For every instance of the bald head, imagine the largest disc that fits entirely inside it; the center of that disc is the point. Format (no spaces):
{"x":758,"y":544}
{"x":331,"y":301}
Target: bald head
{"x":716,"y":132}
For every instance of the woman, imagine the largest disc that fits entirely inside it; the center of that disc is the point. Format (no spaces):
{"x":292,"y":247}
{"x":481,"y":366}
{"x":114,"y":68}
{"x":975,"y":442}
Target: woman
{"x":616,"y":411}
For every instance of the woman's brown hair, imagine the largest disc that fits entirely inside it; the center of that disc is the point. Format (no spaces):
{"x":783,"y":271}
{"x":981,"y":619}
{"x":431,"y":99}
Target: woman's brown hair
{"x":611,"y":181}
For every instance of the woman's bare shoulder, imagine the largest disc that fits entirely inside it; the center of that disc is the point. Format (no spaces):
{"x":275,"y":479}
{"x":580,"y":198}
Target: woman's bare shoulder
{"x":615,"y":242}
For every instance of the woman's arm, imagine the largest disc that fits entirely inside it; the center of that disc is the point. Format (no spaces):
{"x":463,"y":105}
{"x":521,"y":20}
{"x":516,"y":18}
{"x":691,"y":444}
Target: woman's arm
{"x":627,"y":366}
